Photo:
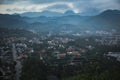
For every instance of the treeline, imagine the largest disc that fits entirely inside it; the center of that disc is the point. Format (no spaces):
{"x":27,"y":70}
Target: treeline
{"x":7,"y":32}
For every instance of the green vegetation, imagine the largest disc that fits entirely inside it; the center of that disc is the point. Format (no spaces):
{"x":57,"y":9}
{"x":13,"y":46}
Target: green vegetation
{"x":99,"y":68}
{"x":34,"y":69}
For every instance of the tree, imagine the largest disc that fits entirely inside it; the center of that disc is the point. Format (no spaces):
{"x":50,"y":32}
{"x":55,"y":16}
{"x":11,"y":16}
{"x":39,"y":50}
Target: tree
{"x":33,"y":69}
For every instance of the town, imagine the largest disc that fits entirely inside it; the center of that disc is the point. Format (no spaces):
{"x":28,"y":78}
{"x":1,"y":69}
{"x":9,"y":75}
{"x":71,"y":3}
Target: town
{"x":63,"y":54}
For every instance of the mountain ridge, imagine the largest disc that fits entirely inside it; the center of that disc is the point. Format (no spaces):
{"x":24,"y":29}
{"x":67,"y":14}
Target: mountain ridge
{"x":47,"y":14}
{"x":108,"y":19}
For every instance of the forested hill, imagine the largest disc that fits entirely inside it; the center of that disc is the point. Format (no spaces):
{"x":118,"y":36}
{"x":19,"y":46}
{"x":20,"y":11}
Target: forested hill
{"x":109,"y":19}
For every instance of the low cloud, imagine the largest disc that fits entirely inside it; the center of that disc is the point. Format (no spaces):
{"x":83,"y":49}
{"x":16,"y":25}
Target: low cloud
{"x":56,"y":6}
{"x":78,"y":6}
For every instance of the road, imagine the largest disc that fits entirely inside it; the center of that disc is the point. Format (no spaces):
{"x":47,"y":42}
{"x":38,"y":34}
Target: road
{"x":18,"y":65}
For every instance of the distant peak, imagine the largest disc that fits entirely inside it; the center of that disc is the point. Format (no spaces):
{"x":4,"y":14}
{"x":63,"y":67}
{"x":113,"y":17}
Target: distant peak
{"x":69,"y":12}
{"x":111,"y":11}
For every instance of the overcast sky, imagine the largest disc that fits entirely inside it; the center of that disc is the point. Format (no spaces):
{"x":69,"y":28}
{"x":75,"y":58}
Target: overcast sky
{"x":78,"y":6}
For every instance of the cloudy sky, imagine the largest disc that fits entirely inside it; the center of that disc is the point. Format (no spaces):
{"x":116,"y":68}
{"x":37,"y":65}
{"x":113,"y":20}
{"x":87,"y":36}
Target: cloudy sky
{"x":86,"y":7}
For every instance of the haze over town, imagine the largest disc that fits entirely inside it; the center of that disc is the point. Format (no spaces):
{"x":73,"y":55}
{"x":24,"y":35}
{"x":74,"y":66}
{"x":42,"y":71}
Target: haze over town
{"x":59,"y":40}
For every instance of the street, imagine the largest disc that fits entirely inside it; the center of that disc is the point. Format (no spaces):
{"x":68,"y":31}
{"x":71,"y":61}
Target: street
{"x":18,"y":65}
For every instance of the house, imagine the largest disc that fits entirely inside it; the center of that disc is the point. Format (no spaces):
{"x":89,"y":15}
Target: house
{"x":61,"y":55}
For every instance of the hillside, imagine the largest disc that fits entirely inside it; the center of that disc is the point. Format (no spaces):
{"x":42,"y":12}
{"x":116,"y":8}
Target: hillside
{"x":109,"y":19}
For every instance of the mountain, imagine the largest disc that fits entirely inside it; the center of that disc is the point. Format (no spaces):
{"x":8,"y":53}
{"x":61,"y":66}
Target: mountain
{"x":110,"y":13}
{"x":47,"y":14}
{"x":12,"y":21}
{"x":69,"y":12}
{"x":109,"y":19}
{"x":44,"y":13}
